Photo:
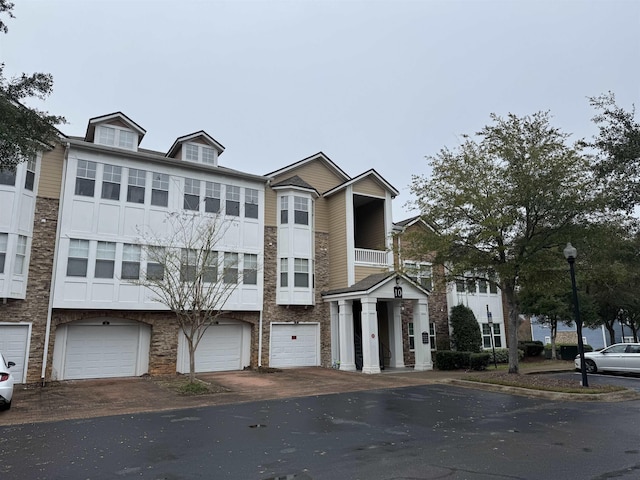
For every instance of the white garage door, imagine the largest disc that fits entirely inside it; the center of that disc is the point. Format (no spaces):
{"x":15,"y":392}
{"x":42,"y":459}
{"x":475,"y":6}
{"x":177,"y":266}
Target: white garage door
{"x":14,"y":340}
{"x":101,"y":351}
{"x":219,"y":350}
{"x":295,"y":345}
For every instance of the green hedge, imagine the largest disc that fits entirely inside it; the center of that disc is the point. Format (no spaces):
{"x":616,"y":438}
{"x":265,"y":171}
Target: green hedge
{"x":452,"y":360}
{"x":531,"y":349}
{"x":479,"y":361}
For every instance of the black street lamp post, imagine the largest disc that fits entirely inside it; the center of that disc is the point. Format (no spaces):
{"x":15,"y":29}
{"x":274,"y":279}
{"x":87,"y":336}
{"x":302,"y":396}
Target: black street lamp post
{"x":570,"y":254}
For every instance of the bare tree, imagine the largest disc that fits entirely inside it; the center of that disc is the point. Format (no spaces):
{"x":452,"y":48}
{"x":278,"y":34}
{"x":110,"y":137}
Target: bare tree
{"x":188,"y":275}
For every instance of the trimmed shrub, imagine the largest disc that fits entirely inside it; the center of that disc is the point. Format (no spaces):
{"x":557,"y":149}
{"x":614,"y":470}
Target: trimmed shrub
{"x":531,"y":349}
{"x":502,"y":355}
{"x":452,"y":360}
{"x":479,"y":361}
{"x":466,"y":335}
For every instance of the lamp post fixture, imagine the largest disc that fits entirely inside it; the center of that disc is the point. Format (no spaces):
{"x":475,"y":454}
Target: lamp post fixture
{"x":570,"y":254}
{"x":493,"y":347}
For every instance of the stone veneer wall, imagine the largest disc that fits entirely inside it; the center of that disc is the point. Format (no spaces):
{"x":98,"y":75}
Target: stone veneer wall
{"x":438,"y":314}
{"x":282,"y":313}
{"x":36,"y":304}
{"x":163,"y":351}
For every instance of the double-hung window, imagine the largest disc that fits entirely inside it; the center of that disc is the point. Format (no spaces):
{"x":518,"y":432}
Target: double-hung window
{"x":284,"y":210}
{"x":210,"y":267}
{"x":21,"y":253}
{"x":130,"y":262}
{"x":250,"y":203}
{"x":107,"y":136}
{"x":156,"y":258}
{"x":160,"y":189}
{"x":111,"y":178}
{"x":78,"y":258}
{"x":105,"y":260}
{"x":301,"y":272}
{"x":232,"y":206}
{"x":191,"y":194}
{"x":421,"y":273}
{"x":208,"y":156}
{"x":137,"y":182}
{"x":482,"y":286}
{"x":191,"y":152}
{"x":30,"y":178}
{"x":212,"y":197}
{"x":250,"y":269}
{"x":188,"y":265}
{"x":301,"y":210}
{"x":4,"y":240}
{"x":230,"y":274}
{"x":486,"y":335}
{"x":85,"y":178}
{"x":284,"y":272}
{"x":116,"y":137}
{"x":7,"y":176}
{"x":126,"y":139}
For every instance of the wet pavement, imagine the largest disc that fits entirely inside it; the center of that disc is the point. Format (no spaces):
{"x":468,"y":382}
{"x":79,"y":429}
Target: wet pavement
{"x":76,"y":399}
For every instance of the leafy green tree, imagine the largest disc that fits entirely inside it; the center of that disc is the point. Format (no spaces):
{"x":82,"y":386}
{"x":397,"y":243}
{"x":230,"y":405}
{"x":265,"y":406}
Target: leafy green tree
{"x":610,"y":267}
{"x":23,"y":131}
{"x":466,"y":335}
{"x":503,"y":206}
{"x":618,"y":145}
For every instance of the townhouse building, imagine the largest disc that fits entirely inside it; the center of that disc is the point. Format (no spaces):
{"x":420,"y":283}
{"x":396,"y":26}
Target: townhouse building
{"x":318,"y":281}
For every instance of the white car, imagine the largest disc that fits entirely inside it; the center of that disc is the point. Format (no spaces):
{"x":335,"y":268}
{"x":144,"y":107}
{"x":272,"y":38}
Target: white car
{"x":6,"y":383}
{"x":621,"y":357}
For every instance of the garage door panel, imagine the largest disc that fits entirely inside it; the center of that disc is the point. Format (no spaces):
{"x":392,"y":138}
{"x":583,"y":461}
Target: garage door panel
{"x":294,"y":345}
{"x":14,"y":340}
{"x":220,"y":349}
{"x":95,"y":351}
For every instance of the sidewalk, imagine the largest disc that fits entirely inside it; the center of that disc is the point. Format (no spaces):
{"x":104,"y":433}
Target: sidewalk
{"x":78,"y":399}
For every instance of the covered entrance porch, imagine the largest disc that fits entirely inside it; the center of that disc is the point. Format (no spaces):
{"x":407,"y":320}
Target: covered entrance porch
{"x":366,"y":324}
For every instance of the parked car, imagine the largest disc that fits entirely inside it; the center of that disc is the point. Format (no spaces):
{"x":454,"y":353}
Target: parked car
{"x":621,"y":357}
{"x":6,"y":383}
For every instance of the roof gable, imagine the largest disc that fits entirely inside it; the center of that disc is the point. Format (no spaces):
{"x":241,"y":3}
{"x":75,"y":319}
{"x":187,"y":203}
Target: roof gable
{"x":201,"y":135}
{"x":115,"y":117}
{"x":372,"y":174}
{"x":318,"y":157}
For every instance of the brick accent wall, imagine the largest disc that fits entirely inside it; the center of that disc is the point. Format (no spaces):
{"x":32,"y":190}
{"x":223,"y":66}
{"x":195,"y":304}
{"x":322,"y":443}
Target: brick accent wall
{"x":163,"y":351}
{"x":36,"y":304}
{"x":438,"y":314}
{"x":281,"y":313}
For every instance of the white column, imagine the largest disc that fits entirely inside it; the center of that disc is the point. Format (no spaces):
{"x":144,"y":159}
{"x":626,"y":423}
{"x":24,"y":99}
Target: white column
{"x":397,"y":356}
{"x":370,"y":340}
{"x":421,"y":324}
{"x":345,"y":329}
{"x":335,"y":333}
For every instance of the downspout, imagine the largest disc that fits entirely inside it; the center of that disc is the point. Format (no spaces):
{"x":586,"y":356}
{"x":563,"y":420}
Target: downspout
{"x":47,"y":333}
{"x":260,"y":341}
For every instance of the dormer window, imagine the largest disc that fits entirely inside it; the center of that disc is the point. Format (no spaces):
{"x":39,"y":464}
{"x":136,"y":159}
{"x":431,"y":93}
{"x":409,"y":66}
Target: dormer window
{"x":116,"y":137}
{"x":199,"y":153}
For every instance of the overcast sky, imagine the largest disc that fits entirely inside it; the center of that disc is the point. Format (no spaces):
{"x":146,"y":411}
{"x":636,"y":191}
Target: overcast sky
{"x":372,"y":84}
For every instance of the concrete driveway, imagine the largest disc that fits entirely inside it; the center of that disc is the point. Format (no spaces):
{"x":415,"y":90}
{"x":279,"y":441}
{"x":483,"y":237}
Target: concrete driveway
{"x":74,"y":399}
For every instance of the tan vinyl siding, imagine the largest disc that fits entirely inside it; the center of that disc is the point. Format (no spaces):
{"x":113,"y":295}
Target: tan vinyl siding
{"x":50,"y":179}
{"x":368,"y":186}
{"x":178,"y":155}
{"x":270,"y":208}
{"x":319,"y":177}
{"x":337,"y":241}
{"x":364,"y":272}
{"x":117,"y":123}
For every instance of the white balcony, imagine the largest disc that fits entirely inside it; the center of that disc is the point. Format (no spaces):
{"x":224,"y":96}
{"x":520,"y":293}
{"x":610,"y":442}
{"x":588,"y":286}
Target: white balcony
{"x":365,"y":256}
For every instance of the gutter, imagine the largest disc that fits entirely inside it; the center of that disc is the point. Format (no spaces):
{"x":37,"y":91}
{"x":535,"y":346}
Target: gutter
{"x":47,"y":333}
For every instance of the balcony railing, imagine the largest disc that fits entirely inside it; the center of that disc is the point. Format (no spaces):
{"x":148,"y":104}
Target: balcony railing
{"x":372,"y":257}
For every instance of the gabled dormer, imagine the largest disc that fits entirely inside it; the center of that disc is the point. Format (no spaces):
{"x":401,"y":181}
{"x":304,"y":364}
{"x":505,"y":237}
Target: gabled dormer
{"x":115,"y":130}
{"x":198,"y":147}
